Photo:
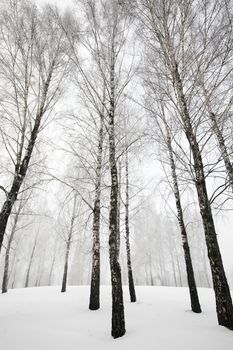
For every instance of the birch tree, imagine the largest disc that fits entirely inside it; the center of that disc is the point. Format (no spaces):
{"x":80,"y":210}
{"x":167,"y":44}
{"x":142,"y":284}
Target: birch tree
{"x":68,"y":242}
{"x":89,"y":128}
{"x":165,"y":134}
{"x":127,"y":232}
{"x":31,"y":260}
{"x":111,"y":28}
{"x":33,"y":64}
{"x":214,"y":54}
{"x":20,"y":208}
{"x":8,"y":248}
{"x":169,"y":26}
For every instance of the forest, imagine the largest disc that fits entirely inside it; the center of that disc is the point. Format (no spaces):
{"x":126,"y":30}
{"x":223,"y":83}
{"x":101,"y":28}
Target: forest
{"x":116,"y":167}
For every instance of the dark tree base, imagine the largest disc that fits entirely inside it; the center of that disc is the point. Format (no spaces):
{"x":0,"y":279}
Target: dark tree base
{"x":131,"y":288}
{"x":118,"y":334}
{"x":225,"y":313}
{"x":4,"y":284}
{"x":197,"y":311}
{"x":195,"y":305}
{"x":94,"y":307}
{"x":227,"y":325}
{"x":118,"y":318}
{"x":133,"y":297}
{"x":94,"y":301}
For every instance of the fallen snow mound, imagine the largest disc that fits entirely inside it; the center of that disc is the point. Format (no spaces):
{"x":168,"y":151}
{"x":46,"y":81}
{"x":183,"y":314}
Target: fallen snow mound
{"x":45,"y":319}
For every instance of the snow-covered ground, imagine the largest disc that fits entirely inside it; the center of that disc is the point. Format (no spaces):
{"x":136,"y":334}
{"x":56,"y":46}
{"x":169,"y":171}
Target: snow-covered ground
{"x":45,"y":319}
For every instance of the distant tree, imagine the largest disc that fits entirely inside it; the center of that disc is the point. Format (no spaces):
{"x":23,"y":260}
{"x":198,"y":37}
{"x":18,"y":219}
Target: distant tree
{"x":31,"y":260}
{"x":68,"y":241}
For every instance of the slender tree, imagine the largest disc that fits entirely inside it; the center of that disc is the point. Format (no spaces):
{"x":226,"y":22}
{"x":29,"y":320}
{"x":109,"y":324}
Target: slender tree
{"x":157,"y":19}
{"x":94,"y":303}
{"x":68,"y":244}
{"x":33,"y":64}
{"x":8,"y":248}
{"x":20,"y":207}
{"x":213,"y":56}
{"x":118,"y":321}
{"x":127,"y":232}
{"x":52,"y":264}
{"x":195,"y":304}
{"x":109,"y":27}
{"x":31,"y":260}
{"x":92,"y":92}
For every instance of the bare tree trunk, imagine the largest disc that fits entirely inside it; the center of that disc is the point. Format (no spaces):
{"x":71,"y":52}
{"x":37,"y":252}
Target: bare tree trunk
{"x":195,"y":305}
{"x":223,"y":148}
{"x":7,"y":254}
{"x":221,"y":287}
{"x":173,"y":265}
{"x":51,"y":269}
{"x":206,"y":267}
{"x":129,"y":264}
{"x":146,"y":273}
{"x":68,"y":244}
{"x":40,"y":269}
{"x":179,"y":270}
{"x":94,"y":302}
{"x":53,"y":263}
{"x":22,"y":167}
{"x":219,"y":135}
{"x":151,"y":273}
{"x":13,"y":279}
{"x":6,"y":264}
{"x":161,"y":266}
{"x":119,"y":211}
{"x":118,"y":319}
{"x":12,"y":269}
{"x":31,"y":261}
{"x":65,"y":272}
{"x":7,"y":206}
